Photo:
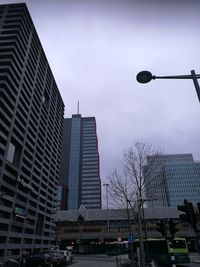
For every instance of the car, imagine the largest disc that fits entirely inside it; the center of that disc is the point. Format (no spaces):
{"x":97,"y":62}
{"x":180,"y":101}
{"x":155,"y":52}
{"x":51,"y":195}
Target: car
{"x":45,"y":258}
{"x":36,"y":259}
{"x":67,"y":255}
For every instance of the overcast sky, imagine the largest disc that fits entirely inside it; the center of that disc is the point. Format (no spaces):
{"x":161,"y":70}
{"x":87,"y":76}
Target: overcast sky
{"x":95,"y":49}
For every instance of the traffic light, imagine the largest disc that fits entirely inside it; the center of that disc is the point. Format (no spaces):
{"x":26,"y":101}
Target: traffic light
{"x":172,"y":227}
{"x":189,"y":215}
{"x":161,"y":227}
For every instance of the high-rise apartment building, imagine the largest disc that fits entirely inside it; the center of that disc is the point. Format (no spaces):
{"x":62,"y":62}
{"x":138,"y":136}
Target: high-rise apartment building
{"x":31,"y":125}
{"x":176,"y":177}
{"x":80,"y":163}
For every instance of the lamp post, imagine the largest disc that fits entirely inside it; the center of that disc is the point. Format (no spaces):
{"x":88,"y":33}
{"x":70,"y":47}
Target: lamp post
{"x":146,"y":76}
{"x":108,"y":228}
{"x":106,"y":185}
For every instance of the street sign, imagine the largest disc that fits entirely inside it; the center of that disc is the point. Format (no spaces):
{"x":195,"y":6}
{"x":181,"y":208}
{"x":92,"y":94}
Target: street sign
{"x":20,"y":212}
{"x":131,"y":238}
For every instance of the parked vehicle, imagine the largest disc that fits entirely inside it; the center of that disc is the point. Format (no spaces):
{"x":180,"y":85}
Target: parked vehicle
{"x":67,"y":255}
{"x":45,"y":259}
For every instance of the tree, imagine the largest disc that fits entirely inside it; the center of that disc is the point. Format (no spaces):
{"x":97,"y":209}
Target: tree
{"x":132,"y":180}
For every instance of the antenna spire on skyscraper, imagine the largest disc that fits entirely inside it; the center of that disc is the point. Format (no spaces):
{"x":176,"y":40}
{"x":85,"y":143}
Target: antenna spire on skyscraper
{"x":78,"y":108}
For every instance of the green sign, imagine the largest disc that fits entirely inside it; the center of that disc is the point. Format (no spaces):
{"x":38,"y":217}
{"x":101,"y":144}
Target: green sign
{"x":20,"y":212}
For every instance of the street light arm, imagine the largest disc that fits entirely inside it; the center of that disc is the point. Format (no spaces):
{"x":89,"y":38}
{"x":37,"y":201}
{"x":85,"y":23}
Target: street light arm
{"x":175,"y":77}
{"x":146,"y":76}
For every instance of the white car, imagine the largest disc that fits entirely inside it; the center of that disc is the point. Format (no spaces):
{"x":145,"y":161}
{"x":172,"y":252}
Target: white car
{"x":67,"y":255}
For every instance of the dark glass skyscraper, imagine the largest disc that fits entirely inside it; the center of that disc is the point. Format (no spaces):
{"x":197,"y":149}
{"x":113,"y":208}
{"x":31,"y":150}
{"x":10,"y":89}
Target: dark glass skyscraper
{"x":80,"y":163}
{"x":31,"y":125}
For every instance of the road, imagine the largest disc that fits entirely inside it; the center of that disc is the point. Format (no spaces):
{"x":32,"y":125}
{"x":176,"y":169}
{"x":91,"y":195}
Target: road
{"x":94,"y":261}
{"x":106,"y":261}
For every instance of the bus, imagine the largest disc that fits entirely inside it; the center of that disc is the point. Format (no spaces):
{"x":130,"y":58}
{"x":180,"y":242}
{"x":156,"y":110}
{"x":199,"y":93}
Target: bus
{"x":159,"y":249}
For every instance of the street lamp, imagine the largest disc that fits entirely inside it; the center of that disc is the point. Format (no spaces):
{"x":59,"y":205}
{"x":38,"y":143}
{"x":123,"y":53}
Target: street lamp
{"x":106,"y":194}
{"x":108,"y":227}
{"x":146,"y":76}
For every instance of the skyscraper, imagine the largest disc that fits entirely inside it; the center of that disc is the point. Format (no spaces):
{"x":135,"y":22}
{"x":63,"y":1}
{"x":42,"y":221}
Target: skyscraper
{"x":175,"y":178}
{"x":31,"y":125}
{"x":80,"y":163}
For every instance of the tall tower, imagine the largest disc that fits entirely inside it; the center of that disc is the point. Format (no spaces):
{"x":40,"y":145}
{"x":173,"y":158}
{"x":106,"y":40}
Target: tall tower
{"x":31,"y":121}
{"x":80,"y":163}
{"x":175,"y":178}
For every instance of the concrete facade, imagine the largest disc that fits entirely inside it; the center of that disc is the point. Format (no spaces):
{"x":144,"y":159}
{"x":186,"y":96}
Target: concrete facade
{"x":31,"y":121}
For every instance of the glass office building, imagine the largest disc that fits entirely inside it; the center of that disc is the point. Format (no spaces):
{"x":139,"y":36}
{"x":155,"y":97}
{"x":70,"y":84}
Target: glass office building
{"x":31,"y":125}
{"x":177,"y":178}
{"x":80,"y":163}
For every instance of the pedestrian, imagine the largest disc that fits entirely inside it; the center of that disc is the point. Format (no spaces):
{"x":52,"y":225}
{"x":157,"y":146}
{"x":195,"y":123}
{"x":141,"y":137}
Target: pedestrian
{"x":23,"y":259}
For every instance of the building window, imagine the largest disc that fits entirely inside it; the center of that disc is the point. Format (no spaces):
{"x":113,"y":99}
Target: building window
{"x":14,"y":152}
{"x":45,"y":99}
{"x":11,"y":152}
{"x":40,"y":224}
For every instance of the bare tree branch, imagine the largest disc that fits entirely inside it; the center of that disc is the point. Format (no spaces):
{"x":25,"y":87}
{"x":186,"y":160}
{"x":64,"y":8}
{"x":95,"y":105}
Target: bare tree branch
{"x":136,"y":174}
